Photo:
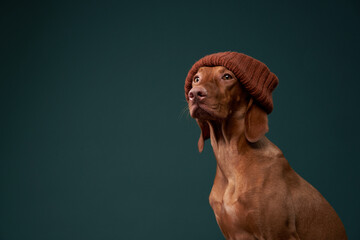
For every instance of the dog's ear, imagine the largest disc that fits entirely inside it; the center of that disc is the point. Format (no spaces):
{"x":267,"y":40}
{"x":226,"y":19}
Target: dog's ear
{"x":256,"y":122}
{"x":205,"y":133}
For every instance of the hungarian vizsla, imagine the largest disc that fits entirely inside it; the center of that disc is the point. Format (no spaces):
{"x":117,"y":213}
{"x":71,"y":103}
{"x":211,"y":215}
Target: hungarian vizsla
{"x":256,"y":194}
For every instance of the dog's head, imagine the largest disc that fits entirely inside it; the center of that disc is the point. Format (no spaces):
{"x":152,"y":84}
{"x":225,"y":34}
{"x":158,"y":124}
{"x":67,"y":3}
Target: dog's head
{"x":215,"y":95}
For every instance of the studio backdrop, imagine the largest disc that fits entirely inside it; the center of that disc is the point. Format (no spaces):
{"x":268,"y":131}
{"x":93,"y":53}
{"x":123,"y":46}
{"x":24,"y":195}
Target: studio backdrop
{"x":95,"y":138}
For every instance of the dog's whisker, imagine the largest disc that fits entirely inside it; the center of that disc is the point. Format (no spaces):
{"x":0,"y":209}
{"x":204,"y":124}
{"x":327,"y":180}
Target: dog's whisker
{"x":183,"y":111}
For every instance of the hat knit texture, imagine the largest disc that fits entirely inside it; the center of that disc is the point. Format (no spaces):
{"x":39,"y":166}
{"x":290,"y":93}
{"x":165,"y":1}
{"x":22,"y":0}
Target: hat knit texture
{"x":254,"y":75}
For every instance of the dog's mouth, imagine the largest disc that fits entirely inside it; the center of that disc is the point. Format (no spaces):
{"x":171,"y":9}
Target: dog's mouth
{"x":200,"y":111}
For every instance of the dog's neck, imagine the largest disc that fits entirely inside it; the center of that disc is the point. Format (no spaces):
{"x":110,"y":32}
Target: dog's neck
{"x":232,"y":150}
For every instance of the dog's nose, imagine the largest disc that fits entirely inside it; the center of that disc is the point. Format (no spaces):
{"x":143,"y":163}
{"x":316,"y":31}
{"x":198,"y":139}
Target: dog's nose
{"x":197,"y":93}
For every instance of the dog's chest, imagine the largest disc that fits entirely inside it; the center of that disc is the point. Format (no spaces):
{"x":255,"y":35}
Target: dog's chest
{"x":230,"y":211}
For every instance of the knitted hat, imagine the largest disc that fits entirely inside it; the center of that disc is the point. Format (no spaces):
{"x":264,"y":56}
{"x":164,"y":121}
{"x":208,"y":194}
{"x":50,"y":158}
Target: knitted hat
{"x":254,"y":75}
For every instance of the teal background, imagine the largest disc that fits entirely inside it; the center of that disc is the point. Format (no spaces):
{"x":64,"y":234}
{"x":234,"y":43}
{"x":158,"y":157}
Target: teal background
{"x":94,"y":140}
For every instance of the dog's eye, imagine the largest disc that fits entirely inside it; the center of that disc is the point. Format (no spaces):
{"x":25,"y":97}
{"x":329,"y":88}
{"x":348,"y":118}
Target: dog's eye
{"x":196,"y":79}
{"x":227,"y":77}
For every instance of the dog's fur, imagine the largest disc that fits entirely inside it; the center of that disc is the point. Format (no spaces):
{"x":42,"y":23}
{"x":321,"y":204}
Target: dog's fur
{"x":256,"y":194}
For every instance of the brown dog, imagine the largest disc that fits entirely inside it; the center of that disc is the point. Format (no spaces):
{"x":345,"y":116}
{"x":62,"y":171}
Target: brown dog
{"x":256,"y":194}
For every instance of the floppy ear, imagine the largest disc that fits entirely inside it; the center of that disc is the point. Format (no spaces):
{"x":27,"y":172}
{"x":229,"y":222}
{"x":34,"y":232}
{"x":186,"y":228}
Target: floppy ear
{"x":256,"y":122}
{"x":205,"y":133}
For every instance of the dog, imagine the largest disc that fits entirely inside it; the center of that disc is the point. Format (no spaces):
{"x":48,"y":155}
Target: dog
{"x":256,"y":194}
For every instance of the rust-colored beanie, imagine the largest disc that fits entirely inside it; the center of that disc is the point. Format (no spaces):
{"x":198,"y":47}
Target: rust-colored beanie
{"x":254,"y":75}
